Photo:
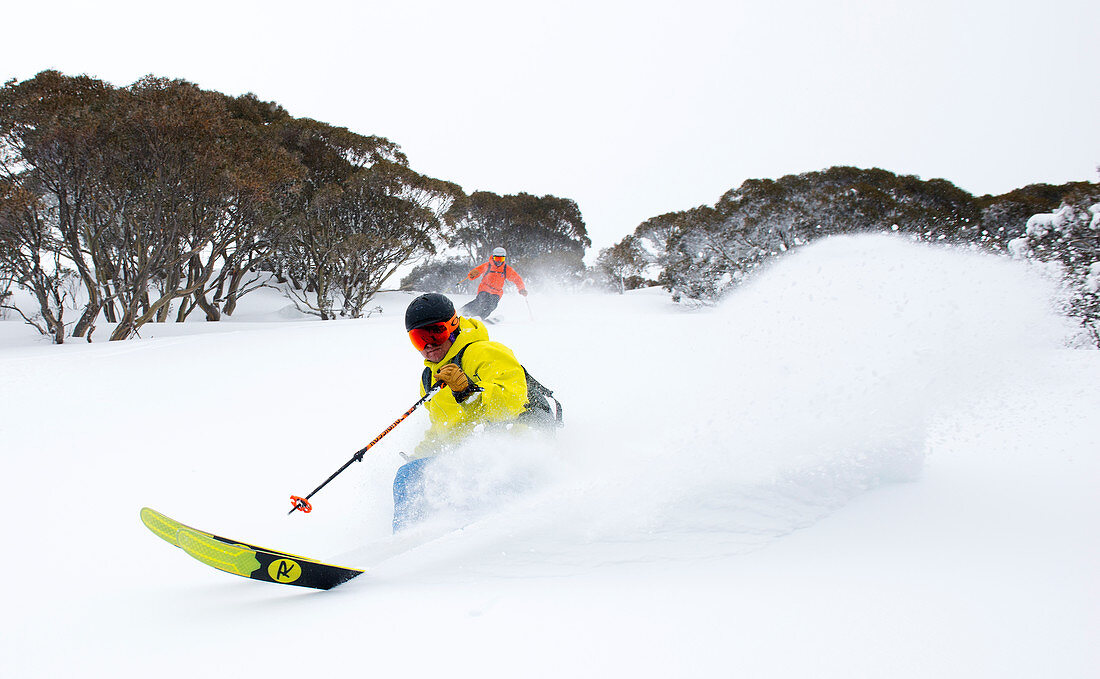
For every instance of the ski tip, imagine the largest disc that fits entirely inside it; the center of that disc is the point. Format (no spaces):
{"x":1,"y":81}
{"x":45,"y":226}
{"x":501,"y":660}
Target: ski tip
{"x":160,"y":525}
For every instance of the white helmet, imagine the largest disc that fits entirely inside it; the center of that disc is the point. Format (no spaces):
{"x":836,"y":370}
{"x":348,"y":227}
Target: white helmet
{"x":500,"y":252}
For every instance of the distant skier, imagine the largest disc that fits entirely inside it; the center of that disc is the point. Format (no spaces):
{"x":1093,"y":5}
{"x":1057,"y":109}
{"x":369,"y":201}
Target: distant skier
{"x":494,"y":273}
{"x":486,"y":388}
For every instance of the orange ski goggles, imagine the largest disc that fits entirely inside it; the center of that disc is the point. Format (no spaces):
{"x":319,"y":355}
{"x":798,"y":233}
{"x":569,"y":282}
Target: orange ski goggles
{"x":434,"y":333}
{"x":498,"y":260}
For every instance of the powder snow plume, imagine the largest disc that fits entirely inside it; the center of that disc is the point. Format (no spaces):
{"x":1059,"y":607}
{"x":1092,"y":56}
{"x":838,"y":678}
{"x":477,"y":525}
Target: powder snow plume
{"x":817,"y":381}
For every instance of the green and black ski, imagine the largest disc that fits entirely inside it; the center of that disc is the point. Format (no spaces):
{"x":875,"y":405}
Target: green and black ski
{"x":249,"y":561}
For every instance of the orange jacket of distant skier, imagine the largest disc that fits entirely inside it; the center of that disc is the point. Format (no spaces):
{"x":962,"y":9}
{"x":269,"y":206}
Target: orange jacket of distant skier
{"x":493,"y":281}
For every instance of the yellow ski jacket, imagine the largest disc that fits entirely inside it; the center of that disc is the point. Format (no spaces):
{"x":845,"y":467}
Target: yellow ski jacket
{"x":489,"y":365}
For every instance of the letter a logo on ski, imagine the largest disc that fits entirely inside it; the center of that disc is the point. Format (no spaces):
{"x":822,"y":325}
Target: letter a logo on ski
{"x":284,"y":570}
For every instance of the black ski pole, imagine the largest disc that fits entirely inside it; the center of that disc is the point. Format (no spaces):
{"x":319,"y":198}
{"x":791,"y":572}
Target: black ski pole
{"x":302,"y":503}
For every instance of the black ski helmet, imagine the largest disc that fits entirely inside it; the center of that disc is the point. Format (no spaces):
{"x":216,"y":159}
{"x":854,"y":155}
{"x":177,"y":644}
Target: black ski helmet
{"x":427,"y":309}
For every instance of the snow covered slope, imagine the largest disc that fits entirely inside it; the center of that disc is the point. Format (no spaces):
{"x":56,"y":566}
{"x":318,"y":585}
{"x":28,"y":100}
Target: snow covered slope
{"x":875,"y":460}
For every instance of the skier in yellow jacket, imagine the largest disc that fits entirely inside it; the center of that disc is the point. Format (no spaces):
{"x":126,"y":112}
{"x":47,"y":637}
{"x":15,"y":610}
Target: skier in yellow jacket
{"x":483,"y":384}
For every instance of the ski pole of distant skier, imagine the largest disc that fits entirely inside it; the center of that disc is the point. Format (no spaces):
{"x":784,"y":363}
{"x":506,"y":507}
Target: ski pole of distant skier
{"x":529,"y":312}
{"x":302,"y":503}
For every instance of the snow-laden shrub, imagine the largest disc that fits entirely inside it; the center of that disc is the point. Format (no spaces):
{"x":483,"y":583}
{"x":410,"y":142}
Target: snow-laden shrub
{"x":1067,"y":240}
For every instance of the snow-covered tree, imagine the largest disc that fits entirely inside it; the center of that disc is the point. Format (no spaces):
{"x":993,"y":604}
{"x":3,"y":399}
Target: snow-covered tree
{"x":705,"y":251}
{"x":1068,"y":240}
{"x":623,"y":263}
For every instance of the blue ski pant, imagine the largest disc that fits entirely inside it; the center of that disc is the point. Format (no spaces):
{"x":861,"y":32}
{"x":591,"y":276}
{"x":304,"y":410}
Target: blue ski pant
{"x":408,"y":493}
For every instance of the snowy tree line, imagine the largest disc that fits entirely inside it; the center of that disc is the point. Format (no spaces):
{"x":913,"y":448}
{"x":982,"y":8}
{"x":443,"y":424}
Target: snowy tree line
{"x":704,"y":252}
{"x":150,"y":202}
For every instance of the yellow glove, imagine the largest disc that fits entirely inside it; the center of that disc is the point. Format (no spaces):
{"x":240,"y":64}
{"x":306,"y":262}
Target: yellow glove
{"x":453,"y":377}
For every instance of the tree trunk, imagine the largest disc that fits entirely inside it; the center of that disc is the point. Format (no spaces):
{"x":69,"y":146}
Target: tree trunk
{"x":54,"y":323}
{"x":212,"y":313}
{"x":230,"y":304}
{"x":184,"y":311}
{"x":87,"y":319}
{"x":58,"y":332}
{"x":170,"y":285}
{"x":109,"y":311}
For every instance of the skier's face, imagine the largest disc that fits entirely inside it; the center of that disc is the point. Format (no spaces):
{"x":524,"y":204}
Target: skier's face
{"x":436,"y":352}
{"x":434,"y":340}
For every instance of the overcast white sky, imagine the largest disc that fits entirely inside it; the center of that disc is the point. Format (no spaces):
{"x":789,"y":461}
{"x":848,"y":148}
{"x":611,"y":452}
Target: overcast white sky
{"x":632,"y":109}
